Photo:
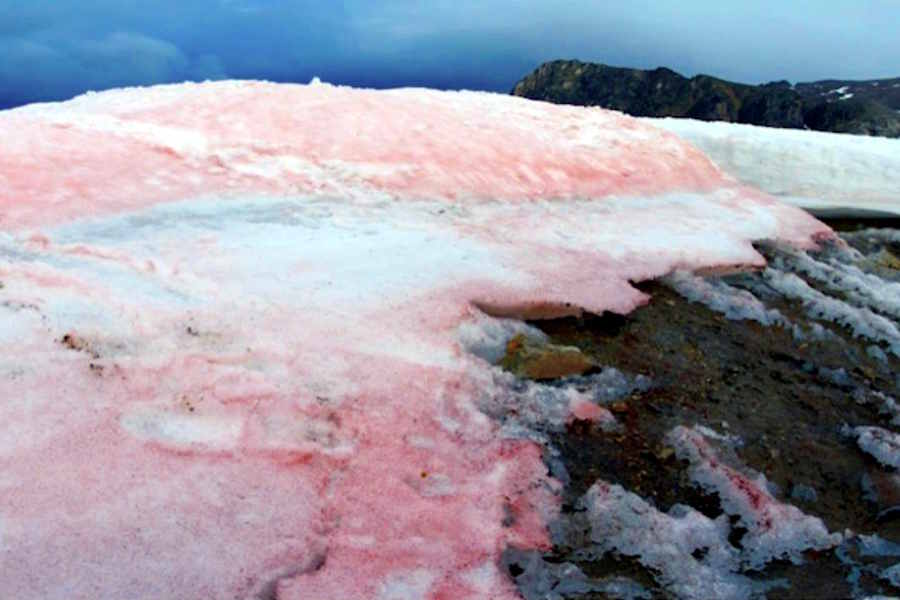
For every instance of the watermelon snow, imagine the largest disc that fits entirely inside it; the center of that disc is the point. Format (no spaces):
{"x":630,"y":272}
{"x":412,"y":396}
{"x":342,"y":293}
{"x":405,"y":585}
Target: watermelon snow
{"x":238,"y":319}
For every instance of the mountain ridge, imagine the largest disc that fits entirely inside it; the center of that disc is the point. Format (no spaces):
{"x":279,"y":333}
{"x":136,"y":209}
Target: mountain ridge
{"x":870,"y":107}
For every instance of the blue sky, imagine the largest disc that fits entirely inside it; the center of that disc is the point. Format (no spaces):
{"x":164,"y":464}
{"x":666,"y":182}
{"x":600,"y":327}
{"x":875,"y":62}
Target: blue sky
{"x":52,"y":49}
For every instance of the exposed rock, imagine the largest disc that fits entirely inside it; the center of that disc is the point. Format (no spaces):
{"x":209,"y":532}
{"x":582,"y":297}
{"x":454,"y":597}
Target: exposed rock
{"x":734,"y":474}
{"x":535,"y":360}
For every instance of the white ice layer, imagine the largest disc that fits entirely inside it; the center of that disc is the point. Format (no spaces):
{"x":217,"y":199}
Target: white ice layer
{"x":816,"y":170}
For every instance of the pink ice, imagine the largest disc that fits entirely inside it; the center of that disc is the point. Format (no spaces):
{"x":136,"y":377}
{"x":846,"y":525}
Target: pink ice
{"x":230,"y":318}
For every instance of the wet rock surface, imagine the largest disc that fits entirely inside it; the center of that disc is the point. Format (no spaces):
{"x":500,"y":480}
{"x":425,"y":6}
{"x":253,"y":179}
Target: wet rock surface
{"x":763,"y":443}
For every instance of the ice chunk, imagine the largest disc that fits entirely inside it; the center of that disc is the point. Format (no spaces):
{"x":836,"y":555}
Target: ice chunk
{"x":486,"y":337}
{"x":873,"y":545}
{"x":883,"y":445}
{"x":542,"y":580}
{"x":526,"y":407}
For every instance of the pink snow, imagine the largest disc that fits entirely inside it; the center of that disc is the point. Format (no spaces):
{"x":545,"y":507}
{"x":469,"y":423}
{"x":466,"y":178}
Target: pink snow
{"x":231,"y":364}
{"x":775,"y":530}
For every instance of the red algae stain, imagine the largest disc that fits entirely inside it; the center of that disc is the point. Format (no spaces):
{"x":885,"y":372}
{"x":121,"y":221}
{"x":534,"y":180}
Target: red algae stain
{"x":314,"y":432}
{"x":419,"y":144}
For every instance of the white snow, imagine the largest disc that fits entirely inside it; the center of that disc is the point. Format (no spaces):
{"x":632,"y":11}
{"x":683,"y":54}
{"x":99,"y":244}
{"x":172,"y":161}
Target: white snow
{"x":845,"y":278}
{"x":815,"y":170}
{"x":862,"y":321}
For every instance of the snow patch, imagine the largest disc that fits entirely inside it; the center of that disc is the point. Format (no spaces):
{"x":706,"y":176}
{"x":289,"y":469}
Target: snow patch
{"x":845,"y":278}
{"x":882,"y":444}
{"x":624,"y":523}
{"x":775,"y":530}
{"x":861,"y":321}
{"x":717,"y":295}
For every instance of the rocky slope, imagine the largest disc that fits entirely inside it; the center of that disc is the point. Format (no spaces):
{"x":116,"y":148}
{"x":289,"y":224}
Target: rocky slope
{"x":865,"y":107}
{"x":740,"y":401}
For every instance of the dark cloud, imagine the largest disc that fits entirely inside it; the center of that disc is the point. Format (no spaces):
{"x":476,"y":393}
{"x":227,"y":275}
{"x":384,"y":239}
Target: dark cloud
{"x":53,"y":49}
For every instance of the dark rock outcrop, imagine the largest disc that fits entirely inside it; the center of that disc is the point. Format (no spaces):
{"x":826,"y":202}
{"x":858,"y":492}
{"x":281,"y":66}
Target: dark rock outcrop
{"x":871,"y":110}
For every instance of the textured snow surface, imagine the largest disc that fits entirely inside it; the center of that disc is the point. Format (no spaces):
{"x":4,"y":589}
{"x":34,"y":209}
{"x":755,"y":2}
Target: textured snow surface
{"x":816,"y":170}
{"x":243,"y":328}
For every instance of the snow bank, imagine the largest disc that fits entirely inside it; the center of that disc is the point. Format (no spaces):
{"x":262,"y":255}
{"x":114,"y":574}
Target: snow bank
{"x":236,"y":323}
{"x":824,"y":172}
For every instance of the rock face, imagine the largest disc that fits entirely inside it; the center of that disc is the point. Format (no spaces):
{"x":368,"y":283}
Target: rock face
{"x":869,"y":108}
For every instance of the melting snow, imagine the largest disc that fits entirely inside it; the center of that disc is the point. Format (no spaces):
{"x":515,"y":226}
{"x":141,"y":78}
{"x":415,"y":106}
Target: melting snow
{"x":244,"y":329}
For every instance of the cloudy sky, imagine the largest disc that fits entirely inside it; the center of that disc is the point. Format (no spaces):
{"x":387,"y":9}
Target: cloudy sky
{"x":52,"y":49}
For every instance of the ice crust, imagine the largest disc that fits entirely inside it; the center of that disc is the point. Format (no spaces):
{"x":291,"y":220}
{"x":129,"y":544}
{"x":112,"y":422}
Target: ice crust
{"x":244,"y":328}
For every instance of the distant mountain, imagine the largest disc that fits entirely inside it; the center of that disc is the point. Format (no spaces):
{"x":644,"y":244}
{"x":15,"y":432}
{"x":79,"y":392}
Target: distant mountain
{"x":860,"y":107}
